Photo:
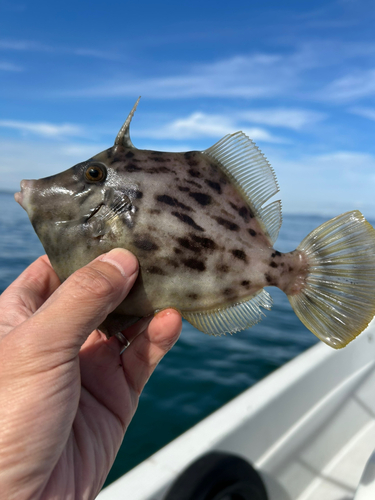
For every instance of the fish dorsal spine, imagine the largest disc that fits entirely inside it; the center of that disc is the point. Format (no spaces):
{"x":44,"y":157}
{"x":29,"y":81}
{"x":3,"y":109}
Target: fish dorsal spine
{"x":123,"y":137}
{"x":250,"y":171}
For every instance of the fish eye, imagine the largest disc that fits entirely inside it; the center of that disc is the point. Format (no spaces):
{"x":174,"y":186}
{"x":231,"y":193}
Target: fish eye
{"x":95,"y":173}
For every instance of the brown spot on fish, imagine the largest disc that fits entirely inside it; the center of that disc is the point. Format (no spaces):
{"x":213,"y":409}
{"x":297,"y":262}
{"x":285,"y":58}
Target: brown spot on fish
{"x":222,"y":268}
{"x":270,"y":280}
{"x":172,"y":262}
{"x":177,"y":250}
{"x":245,"y":213}
{"x":228,"y":291}
{"x":276,"y":253}
{"x":189,"y":245}
{"x":134,"y":193}
{"x":154,"y":211}
{"x":129,"y":154}
{"x":227,"y":224}
{"x":273,"y":264}
{"x":201,"y":198}
{"x":143,"y":243}
{"x":183,"y":189}
{"x":193,"y":296}
{"x":194,"y":172}
{"x":132,"y":168}
{"x":239,"y":254}
{"x":160,"y":170}
{"x":155,"y":270}
{"x":196,"y":264}
{"x":187,"y":220}
{"x":213,"y":185}
{"x":173,"y":202}
{"x":204,"y":242}
{"x":253,"y":233}
{"x":245,"y":284}
{"x":193,"y":183}
{"x":157,"y":158}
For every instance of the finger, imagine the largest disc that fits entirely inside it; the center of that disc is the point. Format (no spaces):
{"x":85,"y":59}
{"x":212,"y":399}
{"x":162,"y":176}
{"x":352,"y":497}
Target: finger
{"x":27,"y":293}
{"x":145,"y":352}
{"x":82,"y":302}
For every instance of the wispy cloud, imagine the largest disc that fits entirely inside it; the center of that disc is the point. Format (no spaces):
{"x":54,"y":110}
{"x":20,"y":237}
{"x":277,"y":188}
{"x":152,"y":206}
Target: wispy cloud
{"x":5,"y":66}
{"x":43,"y":129}
{"x":365,"y":112}
{"x":240,"y":76}
{"x":198,"y":125}
{"x":356,"y":85}
{"x":23,"y":45}
{"x":27,"y":159}
{"x":255,"y":76}
{"x":295,"y":119}
{"x":332,"y":183}
{"x":33,"y":46}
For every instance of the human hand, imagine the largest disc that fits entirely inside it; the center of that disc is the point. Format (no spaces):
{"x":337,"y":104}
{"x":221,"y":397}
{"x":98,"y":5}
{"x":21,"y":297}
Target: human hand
{"x":66,"y":395}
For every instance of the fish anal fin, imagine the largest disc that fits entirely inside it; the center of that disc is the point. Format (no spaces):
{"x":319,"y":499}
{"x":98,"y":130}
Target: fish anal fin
{"x":230,"y":319}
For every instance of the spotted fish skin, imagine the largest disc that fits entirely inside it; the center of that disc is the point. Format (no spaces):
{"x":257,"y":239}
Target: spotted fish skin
{"x":197,"y":223}
{"x":198,"y":242}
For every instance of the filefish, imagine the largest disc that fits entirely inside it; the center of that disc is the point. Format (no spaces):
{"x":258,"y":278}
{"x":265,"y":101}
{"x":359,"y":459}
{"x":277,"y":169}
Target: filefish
{"x":203,"y":232}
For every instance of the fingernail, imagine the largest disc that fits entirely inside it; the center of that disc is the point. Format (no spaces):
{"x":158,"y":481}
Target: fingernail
{"x":122,"y":259}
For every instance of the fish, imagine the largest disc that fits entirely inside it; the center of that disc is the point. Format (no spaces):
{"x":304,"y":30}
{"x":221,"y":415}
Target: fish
{"x":203,"y":228}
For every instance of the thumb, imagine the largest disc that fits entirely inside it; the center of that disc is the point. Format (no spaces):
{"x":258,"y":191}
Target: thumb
{"x":81,"y":303}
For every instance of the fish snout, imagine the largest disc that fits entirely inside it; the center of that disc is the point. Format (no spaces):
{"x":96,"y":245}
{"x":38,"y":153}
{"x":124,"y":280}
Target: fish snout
{"x":23,"y":196}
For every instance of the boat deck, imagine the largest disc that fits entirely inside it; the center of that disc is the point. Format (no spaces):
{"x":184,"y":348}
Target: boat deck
{"x":308,"y":428}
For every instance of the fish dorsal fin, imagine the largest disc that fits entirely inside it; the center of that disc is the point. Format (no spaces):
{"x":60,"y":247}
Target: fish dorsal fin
{"x":123,"y":137}
{"x":250,"y":171}
{"x":231,"y":319}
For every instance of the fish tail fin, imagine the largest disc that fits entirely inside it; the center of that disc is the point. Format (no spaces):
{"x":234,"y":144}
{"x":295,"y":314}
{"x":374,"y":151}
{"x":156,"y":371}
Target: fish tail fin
{"x":337,"y":301}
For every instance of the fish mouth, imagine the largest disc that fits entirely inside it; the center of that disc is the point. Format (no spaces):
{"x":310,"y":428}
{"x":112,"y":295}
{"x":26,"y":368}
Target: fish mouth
{"x":23,"y":197}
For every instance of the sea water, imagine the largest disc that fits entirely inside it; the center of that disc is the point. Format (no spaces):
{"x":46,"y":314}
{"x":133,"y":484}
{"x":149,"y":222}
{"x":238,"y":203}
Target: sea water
{"x":201,"y":372}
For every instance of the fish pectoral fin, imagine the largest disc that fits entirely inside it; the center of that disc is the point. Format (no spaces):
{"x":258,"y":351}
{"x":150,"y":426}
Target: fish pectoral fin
{"x":247,"y":167}
{"x":230,"y":319}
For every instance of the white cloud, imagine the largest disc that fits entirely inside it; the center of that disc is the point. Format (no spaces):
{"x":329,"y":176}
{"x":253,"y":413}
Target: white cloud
{"x":5,"y":66}
{"x":194,"y":126}
{"x":22,"y":45}
{"x":199,"y":125}
{"x":365,"y":112}
{"x":32,"y":46}
{"x":357,"y":85}
{"x":42,"y":129}
{"x":291,"y":118}
{"x":331,"y":183}
{"x":254,"y":76}
{"x":26,"y":159}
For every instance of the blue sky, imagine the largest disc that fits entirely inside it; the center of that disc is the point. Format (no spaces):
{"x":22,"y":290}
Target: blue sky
{"x":297,"y":76}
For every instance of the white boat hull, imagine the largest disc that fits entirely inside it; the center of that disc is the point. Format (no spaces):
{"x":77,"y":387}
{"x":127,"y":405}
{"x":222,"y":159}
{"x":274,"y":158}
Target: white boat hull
{"x":308,"y":429}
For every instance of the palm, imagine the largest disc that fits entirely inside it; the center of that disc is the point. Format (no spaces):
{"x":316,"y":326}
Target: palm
{"x":106,"y":405}
{"x":81,"y":404}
